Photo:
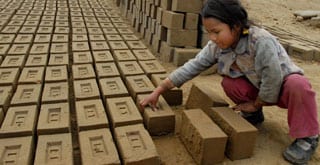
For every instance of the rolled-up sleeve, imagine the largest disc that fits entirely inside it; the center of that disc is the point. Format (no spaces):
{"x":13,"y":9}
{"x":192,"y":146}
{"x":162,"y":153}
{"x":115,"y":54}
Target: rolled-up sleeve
{"x":203,"y":60}
{"x":268,"y":68}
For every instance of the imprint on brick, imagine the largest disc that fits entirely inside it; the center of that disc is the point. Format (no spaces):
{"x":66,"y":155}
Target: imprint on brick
{"x":112,"y":85}
{"x":54,"y":152}
{"x":39,"y":48}
{"x":19,"y":119}
{"x":83,"y":71}
{"x":10,"y":154}
{"x":55,"y":91}
{"x":36,"y":60}
{"x":107,"y":69}
{"x":56,"y":73}
{"x":31,"y":74}
{"x":124,"y":54}
{"x":59,"y":47}
{"x":83,"y":57}
{"x":19,"y":48}
{"x":140,"y":83}
{"x":152,"y":66}
{"x":135,"y":140}
{"x":4,"y":75}
{"x":58,"y":59}
{"x":54,"y":115}
{"x":13,"y":61}
{"x":98,"y":146}
{"x":90,"y":111}
{"x":123,"y":108}
{"x":26,"y":93}
{"x":130,"y":67}
{"x":86,"y":88}
{"x":102,"y":55}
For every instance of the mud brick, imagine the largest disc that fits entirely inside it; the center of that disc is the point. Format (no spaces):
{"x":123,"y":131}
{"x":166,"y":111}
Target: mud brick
{"x":56,"y":74}
{"x":113,"y":37}
{"x":55,"y":92}
{"x":166,"y":4}
{"x":108,"y":25}
{"x":59,"y":48}
{"x":139,"y":85}
{"x":80,"y":30}
{"x":49,"y":12}
{"x":96,"y":31}
{"x":86,"y":89}
{"x":123,"y":111}
{"x":136,"y":146}
{"x":143,"y":54}
{"x":124,"y":55}
{"x":26,"y":94}
{"x":83,"y":71}
{"x":120,"y":25}
{"x":118,"y":45}
{"x":90,"y":19}
{"x":79,"y":37}
{"x":182,"y":55}
{"x":99,"y":45}
{"x":54,"y":149}
{"x":59,"y":59}
{"x":204,"y":97}
{"x":193,"y":6}
{"x":18,"y":150}
{"x":4,"y":49}
{"x":42,"y":38}
{"x":103,"y":21}
{"x":31,"y":23}
{"x":61,"y":30}
{"x":160,"y":121}
{"x":13,"y":61}
{"x":23,"y":38}
{"x":62,"y":18}
{"x":108,"y":69}
{"x":62,"y":24}
{"x":6,"y":38}
{"x":19,"y":49}
{"x":9,"y":76}
{"x":46,"y":23}
{"x":129,"y":37}
{"x":37,"y":60}
{"x":102,"y":56}
{"x":152,"y":67}
{"x":77,"y":18}
{"x":80,"y":46}
{"x":97,"y":146}
{"x":91,"y":115}
{"x":45,"y":30}
{"x":78,"y":24}
{"x":136,"y":45}
{"x":93,"y":25}
{"x":125,"y":31}
{"x":82,"y":57}
{"x":301,"y":51}
{"x":33,"y":17}
{"x":96,"y":37}
{"x":191,"y":21}
{"x":5,"y":95}
{"x":109,"y":30}
{"x":113,"y":87}
{"x":182,"y":37}
{"x":166,"y":52}
{"x":31,"y":75}
{"x":129,"y":68}
{"x":19,"y":121}
{"x":10,"y":29}
{"x":40,"y":48}
{"x":60,"y":38}
{"x":316,"y":51}
{"x":28,"y":30}
{"x":204,"y":140}
{"x":242,"y":135}
{"x":54,"y":118}
{"x":172,"y":20}
{"x":15,"y":23}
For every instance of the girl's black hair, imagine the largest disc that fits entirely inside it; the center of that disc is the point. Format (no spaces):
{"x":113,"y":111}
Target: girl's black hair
{"x":230,"y":12}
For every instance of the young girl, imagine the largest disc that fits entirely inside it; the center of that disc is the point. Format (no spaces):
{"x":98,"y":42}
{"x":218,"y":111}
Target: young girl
{"x":256,"y":71}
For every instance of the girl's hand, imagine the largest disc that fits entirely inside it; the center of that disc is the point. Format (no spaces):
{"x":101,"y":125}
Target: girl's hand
{"x":246,"y":107}
{"x":150,"y":100}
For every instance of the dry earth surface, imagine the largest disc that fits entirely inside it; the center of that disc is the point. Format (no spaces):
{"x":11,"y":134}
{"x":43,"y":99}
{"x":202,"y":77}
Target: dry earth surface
{"x":273,"y":133}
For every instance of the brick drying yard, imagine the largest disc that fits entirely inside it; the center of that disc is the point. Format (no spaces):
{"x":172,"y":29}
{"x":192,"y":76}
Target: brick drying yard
{"x":73,"y":71}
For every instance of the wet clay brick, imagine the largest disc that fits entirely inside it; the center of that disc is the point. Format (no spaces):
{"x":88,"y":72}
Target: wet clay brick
{"x":136,"y":146}
{"x":59,"y":48}
{"x":23,"y":38}
{"x":6,"y":38}
{"x":125,"y":31}
{"x":129,"y":37}
{"x":204,"y":140}
{"x":143,"y":54}
{"x":37,"y":60}
{"x":28,"y":30}
{"x":182,"y":37}
{"x":80,"y":46}
{"x":19,"y":49}
{"x":108,"y":69}
{"x":27,"y":95}
{"x":173,"y":96}
{"x":191,"y":21}
{"x":9,"y":76}
{"x":42,"y":38}
{"x":110,"y":30}
{"x":166,"y":4}
{"x":113,"y":87}
{"x":99,"y":45}
{"x":204,"y":97}
{"x":10,"y":29}
{"x":82,"y":57}
{"x":54,"y":149}
{"x":193,"y":6}
{"x":118,"y":45}
{"x":130,"y":68}
{"x":91,"y":115}
{"x":301,"y":51}
{"x":160,"y":121}
{"x":83,"y":71}
{"x":60,"y":38}
{"x":166,"y":52}
{"x":114,"y":37}
{"x":124,"y":55}
{"x":31,"y":75}
{"x":79,"y":37}
{"x":97,"y":146}
{"x":4,"y":49}
{"x":61,"y":30}
{"x":5,"y":95}
{"x":139,"y":85}
{"x":86,"y":89}
{"x":45,"y":30}
{"x":59,"y":59}
{"x":172,"y":20}
{"x":102,"y":56}
{"x":56,"y":73}
{"x":19,"y":121}
{"x":40,"y":49}
{"x":54,"y":118}
{"x":55,"y":92}
{"x":136,"y":45}
{"x":242,"y":135}
{"x":18,"y":150}
{"x":79,"y":30}
{"x":96,"y":31}
{"x":96,"y":37}
{"x":182,"y":55}
{"x":122,"y":111}
{"x":16,"y":61}
{"x":152,"y":67}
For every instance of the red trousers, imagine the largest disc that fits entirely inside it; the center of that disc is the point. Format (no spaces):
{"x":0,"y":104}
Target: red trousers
{"x":296,"y":96}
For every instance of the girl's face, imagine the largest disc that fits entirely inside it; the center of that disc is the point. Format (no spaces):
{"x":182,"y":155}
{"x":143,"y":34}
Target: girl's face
{"x":220,"y":33}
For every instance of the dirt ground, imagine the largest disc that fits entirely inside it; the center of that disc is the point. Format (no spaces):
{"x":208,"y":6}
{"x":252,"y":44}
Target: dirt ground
{"x":273,"y":133}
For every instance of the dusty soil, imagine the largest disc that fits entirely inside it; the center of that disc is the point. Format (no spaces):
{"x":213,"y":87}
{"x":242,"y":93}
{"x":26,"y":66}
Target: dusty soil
{"x":273,"y":133}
